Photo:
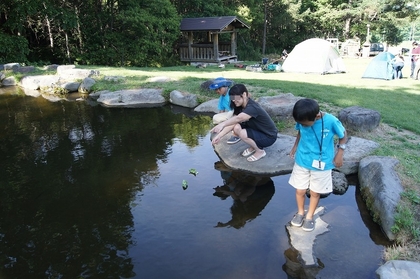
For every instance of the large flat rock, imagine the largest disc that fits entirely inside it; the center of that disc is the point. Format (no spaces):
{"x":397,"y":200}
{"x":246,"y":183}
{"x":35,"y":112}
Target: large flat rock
{"x":134,"y":98}
{"x":276,"y":162}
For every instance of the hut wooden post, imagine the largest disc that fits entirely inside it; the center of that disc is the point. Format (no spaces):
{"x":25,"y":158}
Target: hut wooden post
{"x":233,"y":43}
{"x":216,"y":46}
{"x":190,"y":42}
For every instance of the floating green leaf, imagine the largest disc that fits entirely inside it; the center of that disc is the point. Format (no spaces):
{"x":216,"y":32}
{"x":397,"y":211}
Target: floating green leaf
{"x":193,"y":172}
{"x":184,"y":184}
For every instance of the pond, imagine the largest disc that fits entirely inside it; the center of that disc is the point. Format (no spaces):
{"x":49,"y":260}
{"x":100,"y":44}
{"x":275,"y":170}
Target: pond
{"x":94,"y":192}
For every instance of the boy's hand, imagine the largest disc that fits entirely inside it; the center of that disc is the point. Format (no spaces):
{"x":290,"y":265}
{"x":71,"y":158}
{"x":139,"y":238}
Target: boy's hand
{"x":292,"y":152}
{"x":338,"y":158}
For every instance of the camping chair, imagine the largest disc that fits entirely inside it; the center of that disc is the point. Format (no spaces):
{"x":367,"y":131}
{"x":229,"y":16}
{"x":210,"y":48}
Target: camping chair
{"x":264,"y":63}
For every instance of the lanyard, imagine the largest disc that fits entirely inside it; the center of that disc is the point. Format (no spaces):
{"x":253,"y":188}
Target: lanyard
{"x":322,"y":137}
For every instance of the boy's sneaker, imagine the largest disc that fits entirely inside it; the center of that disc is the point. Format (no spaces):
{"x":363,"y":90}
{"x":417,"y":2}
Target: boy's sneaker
{"x":297,"y":220}
{"x":308,"y":225}
{"x":233,"y":140}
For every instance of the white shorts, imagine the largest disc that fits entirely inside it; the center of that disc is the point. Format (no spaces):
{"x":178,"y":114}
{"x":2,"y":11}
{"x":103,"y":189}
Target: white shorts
{"x":223,"y":116}
{"x":317,"y":181}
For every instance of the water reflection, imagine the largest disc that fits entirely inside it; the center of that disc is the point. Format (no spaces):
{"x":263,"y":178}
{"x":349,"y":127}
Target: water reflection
{"x":250,"y":195}
{"x":294,"y":268}
{"x":69,"y":174}
{"x":93,"y":192}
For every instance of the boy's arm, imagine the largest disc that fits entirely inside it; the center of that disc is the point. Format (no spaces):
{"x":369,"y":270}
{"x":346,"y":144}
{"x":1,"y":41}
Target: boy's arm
{"x":293,"y":151}
{"x":338,"y":158}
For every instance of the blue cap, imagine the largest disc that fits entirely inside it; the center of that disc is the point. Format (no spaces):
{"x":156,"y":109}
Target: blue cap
{"x":220,"y":82}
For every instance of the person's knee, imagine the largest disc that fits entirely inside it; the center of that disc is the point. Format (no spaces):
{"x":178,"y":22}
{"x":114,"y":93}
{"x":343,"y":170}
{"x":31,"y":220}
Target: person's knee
{"x":315,"y":195}
{"x":300,"y":192}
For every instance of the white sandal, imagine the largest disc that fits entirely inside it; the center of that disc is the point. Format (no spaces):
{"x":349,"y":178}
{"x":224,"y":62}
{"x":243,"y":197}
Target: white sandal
{"x":246,"y":152}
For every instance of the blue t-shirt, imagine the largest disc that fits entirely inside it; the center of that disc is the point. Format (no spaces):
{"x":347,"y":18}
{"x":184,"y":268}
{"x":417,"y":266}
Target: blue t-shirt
{"x":224,"y":102}
{"x":308,"y":148}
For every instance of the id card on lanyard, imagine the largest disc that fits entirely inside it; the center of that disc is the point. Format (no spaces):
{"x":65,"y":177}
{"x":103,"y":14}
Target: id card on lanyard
{"x":318,"y":164}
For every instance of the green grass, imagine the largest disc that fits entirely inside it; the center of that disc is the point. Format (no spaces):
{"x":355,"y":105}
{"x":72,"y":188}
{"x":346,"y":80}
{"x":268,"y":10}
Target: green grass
{"x":396,"y":100}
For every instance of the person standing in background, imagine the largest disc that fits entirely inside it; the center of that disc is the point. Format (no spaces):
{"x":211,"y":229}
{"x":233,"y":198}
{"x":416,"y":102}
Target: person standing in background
{"x":415,"y":52}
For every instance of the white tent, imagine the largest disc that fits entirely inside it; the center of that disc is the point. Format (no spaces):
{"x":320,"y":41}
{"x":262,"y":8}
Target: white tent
{"x":314,"y":56}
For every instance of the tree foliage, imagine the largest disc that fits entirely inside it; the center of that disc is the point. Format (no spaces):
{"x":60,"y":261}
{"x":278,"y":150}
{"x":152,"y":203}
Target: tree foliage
{"x":145,"y":33}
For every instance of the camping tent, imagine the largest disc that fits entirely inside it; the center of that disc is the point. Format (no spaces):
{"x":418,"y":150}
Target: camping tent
{"x":380,"y":67}
{"x":314,"y":56}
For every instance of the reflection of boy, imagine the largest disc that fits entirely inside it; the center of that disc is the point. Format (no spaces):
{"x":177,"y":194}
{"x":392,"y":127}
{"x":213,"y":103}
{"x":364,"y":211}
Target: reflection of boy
{"x":222,"y":87}
{"x":313,"y":152}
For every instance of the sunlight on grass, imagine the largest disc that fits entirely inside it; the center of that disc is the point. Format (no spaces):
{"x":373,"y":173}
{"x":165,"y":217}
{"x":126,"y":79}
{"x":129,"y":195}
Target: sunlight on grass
{"x":396,"y":100}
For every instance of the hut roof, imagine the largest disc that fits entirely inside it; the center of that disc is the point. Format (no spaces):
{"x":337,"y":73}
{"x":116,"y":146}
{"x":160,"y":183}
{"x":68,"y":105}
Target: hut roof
{"x":215,"y":24}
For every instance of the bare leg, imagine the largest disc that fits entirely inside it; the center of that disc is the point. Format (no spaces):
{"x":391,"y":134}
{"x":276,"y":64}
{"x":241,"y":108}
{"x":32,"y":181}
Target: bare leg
{"x":300,"y":201}
{"x":244,"y":137}
{"x":313,"y":203}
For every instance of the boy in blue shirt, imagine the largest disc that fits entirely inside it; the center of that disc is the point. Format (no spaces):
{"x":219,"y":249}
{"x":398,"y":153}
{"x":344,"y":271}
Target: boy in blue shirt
{"x":314,"y":156}
{"x":222,"y":87}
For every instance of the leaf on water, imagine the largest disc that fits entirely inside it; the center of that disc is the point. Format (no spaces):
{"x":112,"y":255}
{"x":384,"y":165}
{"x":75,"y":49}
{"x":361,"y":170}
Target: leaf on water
{"x":184,"y":184}
{"x":193,"y":172}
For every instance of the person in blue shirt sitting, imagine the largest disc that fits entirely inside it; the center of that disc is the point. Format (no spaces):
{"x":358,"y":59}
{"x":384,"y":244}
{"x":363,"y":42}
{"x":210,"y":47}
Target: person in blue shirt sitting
{"x":222,"y":86}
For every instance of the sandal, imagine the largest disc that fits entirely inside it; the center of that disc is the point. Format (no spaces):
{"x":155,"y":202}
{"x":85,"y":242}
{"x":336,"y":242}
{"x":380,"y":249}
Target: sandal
{"x":253,"y":158}
{"x":246,"y":152}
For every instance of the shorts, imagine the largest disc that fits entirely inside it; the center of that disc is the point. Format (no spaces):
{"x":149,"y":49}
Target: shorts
{"x":261,"y":139}
{"x":222,"y":116}
{"x":316,"y":180}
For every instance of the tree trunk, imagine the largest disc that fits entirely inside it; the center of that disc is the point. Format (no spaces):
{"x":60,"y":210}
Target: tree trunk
{"x":265,"y":28}
{"x":50,"y":36}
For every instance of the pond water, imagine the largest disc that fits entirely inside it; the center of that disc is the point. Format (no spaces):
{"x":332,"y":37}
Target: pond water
{"x":93,"y":192}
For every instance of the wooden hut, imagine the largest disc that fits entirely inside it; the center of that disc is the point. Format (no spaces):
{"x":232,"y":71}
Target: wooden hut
{"x":203,"y":39}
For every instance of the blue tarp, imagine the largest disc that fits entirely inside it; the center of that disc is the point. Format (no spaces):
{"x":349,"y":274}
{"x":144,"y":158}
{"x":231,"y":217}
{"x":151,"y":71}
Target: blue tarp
{"x":380,"y":67}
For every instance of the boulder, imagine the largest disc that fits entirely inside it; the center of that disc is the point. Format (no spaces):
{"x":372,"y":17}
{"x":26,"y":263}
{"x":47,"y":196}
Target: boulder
{"x":381,"y":188}
{"x":209,"y":106}
{"x":11,"y":66}
{"x":205,"y":85}
{"x":279,"y":107}
{"x":86,"y":85}
{"x":339,"y":181}
{"x":357,"y":149}
{"x":9,"y":81}
{"x":134,"y":98}
{"x":2,"y":76}
{"x":359,"y":119}
{"x":69,"y":72}
{"x":37,"y":82}
{"x":396,"y":269}
{"x":71,"y":86}
{"x":276,"y":162}
{"x":64,"y":68}
{"x":52,"y":67}
{"x":96,"y":95}
{"x":183,"y":99}
{"x":25,"y":69}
